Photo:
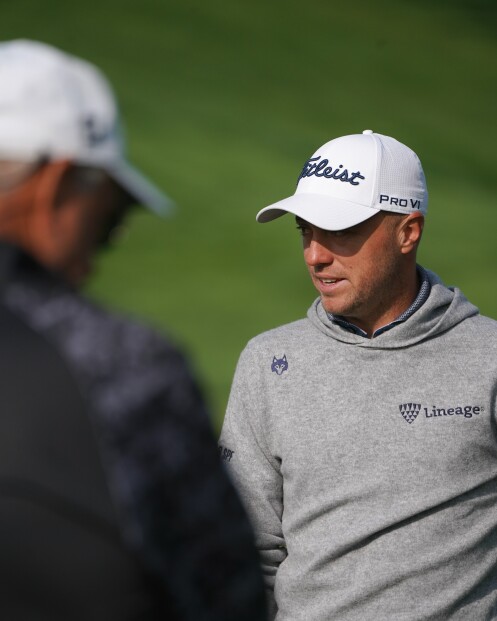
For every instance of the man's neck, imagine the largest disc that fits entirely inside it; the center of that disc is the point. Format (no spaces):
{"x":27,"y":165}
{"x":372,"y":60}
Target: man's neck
{"x":415,"y":296}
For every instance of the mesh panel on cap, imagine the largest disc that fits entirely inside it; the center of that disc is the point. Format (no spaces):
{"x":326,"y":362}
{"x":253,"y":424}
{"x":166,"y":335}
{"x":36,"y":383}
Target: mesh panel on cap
{"x":400,"y":176}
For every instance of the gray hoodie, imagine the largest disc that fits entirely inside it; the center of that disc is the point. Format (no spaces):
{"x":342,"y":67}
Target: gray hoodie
{"x":369,"y":466}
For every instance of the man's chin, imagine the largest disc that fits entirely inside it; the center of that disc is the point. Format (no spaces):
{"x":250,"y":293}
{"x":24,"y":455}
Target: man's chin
{"x":331,"y":306}
{"x":77,"y":277}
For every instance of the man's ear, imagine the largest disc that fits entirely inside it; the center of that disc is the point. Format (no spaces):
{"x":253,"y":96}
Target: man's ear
{"x":46,"y":209}
{"x":50,"y":183}
{"x":410,"y":231}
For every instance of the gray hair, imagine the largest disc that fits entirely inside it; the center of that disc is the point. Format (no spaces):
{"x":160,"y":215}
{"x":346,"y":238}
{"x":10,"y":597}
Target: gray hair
{"x":14,"y":172}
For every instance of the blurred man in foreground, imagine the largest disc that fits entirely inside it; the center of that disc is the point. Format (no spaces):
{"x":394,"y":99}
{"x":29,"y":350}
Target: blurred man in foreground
{"x":363,"y":437}
{"x":133,"y":516}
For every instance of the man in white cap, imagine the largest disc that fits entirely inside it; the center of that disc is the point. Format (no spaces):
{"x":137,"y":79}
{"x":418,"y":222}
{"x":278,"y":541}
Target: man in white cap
{"x":363,"y":438}
{"x":156,"y":529}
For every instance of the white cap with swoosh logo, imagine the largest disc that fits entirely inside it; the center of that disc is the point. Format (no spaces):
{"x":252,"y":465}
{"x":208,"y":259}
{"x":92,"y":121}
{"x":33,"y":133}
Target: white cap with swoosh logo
{"x":56,"y":106}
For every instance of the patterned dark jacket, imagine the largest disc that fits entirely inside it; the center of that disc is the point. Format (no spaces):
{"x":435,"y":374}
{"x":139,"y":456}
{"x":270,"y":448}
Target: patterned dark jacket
{"x":175,"y":507}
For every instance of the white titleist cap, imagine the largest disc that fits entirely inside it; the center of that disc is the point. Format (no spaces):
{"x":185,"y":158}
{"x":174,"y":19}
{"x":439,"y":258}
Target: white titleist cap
{"x":350,"y":179}
{"x":57,"y":106}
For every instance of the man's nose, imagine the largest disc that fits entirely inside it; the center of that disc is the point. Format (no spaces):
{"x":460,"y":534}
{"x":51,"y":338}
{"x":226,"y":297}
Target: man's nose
{"x":317,"y":253}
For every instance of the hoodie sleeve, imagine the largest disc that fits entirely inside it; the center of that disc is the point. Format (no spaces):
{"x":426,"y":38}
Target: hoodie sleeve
{"x":244,"y":448}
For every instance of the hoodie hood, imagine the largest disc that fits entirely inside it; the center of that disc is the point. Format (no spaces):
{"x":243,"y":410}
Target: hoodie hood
{"x":444,"y":308}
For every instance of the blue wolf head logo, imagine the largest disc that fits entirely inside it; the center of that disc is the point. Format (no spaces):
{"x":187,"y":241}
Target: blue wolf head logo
{"x":279,"y":365}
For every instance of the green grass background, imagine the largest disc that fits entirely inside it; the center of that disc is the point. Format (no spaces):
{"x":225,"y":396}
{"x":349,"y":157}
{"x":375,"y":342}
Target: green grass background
{"x":223,"y":102}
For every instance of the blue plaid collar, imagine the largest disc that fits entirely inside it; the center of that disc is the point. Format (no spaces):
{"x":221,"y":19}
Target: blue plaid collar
{"x":423,"y":293}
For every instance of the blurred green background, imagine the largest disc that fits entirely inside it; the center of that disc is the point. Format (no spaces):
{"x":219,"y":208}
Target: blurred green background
{"x":224,"y":101}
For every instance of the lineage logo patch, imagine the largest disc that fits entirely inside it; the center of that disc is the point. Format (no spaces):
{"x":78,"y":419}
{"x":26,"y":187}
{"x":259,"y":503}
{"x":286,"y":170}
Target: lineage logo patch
{"x":410,"y":411}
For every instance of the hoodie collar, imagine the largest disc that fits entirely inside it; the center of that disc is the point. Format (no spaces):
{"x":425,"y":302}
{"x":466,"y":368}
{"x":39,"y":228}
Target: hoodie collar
{"x":422,"y":296}
{"x":444,"y":308}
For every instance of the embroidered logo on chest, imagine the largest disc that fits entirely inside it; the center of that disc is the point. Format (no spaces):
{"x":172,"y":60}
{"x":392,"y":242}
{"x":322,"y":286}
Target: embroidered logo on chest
{"x":279,"y":365}
{"x":410,"y":411}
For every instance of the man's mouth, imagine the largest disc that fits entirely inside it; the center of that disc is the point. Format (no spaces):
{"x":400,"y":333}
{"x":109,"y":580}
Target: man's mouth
{"x":327,"y":279}
{"x":327,"y":285}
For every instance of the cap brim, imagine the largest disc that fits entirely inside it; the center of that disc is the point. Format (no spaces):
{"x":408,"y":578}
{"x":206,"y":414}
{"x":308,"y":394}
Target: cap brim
{"x":140,"y":188}
{"x":330,"y":214}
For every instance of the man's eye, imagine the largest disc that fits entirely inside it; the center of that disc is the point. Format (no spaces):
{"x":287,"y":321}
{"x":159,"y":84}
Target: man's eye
{"x":303,"y":230}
